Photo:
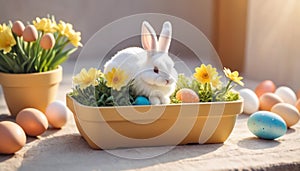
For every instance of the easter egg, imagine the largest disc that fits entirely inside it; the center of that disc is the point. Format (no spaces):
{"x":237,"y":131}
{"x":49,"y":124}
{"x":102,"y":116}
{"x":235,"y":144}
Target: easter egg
{"x":298,"y":105}
{"x":30,"y":33}
{"x":268,"y":100}
{"x":251,"y":102}
{"x":33,"y":121}
{"x":266,"y":86}
{"x":187,"y":95}
{"x":141,"y":100}
{"x":18,"y":28}
{"x":298,"y":94}
{"x":47,"y":41}
{"x":266,"y":125}
{"x":286,"y":94}
{"x":12,"y":137}
{"x":288,"y":112}
{"x":57,"y":114}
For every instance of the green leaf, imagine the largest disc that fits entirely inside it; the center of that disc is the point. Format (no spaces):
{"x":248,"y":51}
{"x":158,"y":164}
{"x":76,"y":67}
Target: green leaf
{"x":61,"y":57}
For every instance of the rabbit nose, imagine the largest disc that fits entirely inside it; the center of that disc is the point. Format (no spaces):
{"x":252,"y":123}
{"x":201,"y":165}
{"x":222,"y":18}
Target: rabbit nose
{"x":167,"y":81}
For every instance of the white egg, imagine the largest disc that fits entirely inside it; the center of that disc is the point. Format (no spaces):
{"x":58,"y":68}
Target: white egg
{"x":57,"y":114}
{"x":251,"y":101}
{"x":286,"y":94}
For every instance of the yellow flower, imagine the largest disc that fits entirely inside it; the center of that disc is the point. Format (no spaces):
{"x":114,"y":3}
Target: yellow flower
{"x":207,"y":74}
{"x":234,"y":76}
{"x":45,"y":24}
{"x":116,"y":79}
{"x":87,"y":78}
{"x":216,"y":82}
{"x":75,"y":38}
{"x":7,"y":40}
{"x":66,"y":29}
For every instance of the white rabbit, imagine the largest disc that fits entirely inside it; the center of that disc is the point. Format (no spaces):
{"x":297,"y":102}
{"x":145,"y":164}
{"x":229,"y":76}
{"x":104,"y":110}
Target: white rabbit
{"x":151,"y":67}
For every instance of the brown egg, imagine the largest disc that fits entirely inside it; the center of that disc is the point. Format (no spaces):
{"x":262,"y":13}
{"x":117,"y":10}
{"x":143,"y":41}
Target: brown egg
{"x":18,"y":28}
{"x":47,"y":41}
{"x":268,"y":100}
{"x":186,"y":95}
{"x":30,"y":33}
{"x":266,"y":86}
{"x":12,"y":137}
{"x":288,"y":112}
{"x":298,"y":94}
{"x":33,"y":121}
{"x":298,"y":104}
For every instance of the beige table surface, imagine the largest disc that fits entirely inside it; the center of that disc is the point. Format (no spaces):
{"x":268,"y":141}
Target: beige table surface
{"x":64,"y":149}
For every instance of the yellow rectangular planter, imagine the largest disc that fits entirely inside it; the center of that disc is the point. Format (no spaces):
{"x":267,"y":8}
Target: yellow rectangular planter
{"x":141,"y":126}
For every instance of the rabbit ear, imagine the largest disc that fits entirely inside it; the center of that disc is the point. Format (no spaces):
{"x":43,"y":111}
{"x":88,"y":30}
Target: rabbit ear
{"x":149,"y":39}
{"x":165,"y":37}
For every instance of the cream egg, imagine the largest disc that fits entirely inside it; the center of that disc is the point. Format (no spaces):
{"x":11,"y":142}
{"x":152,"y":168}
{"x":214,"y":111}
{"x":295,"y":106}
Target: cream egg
{"x":33,"y":121}
{"x":288,"y":112}
{"x":268,"y":100}
{"x":251,"y":101}
{"x":286,"y":94}
{"x":57,"y":114}
{"x":13,"y":137}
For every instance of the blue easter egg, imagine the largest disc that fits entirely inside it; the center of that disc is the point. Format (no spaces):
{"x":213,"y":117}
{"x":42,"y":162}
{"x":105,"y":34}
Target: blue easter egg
{"x":141,"y":100}
{"x":266,"y":125}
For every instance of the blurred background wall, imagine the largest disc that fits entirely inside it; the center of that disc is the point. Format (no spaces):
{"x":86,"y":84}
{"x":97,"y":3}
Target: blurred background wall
{"x":88,"y":16}
{"x":273,"y":41}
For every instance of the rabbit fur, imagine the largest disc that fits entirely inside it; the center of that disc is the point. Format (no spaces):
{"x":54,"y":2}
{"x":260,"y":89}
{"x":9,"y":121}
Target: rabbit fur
{"x":150,"y":67}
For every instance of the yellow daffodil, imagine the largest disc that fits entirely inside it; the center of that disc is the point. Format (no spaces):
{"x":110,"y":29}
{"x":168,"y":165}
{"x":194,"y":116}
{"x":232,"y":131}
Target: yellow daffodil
{"x":66,"y":29}
{"x":116,"y":79}
{"x":207,"y":74}
{"x":86,"y":78}
{"x":75,"y":38}
{"x":7,"y":40}
{"x":233,"y":76}
{"x":45,"y":24}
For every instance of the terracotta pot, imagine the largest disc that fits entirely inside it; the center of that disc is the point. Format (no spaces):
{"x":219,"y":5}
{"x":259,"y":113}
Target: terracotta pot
{"x":35,"y":90}
{"x":139,"y":126}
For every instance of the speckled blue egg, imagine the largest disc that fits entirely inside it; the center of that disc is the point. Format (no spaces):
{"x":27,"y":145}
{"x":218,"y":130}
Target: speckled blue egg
{"x":266,"y":125}
{"x":141,"y":100}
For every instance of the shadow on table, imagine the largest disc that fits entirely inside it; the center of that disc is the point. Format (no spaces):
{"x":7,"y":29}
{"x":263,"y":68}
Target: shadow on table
{"x":7,"y":117}
{"x":71,"y":152}
{"x":291,"y":130}
{"x":254,"y":143}
{"x":4,"y":157}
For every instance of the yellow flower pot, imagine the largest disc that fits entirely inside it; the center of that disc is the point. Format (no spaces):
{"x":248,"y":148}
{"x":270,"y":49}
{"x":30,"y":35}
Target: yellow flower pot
{"x":140,"y":126}
{"x":35,"y":90}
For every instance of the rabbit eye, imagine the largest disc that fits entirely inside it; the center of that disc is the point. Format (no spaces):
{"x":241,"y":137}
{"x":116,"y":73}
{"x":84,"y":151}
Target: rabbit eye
{"x":156,"y":70}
